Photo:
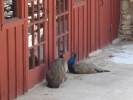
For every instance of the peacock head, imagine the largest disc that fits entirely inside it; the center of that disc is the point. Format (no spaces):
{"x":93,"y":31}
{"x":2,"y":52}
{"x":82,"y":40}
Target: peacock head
{"x":61,"y":54}
{"x":74,"y":54}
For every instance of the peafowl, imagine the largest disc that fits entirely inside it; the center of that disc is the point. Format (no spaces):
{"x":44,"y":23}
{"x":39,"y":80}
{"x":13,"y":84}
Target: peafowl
{"x":56,"y":72}
{"x":82,"y":67}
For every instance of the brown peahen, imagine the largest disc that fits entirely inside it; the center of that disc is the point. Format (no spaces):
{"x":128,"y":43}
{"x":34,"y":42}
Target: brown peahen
{"x":56,"y":72}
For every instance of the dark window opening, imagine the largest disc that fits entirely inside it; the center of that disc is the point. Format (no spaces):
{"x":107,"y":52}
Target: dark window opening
{"x":9,"y":9}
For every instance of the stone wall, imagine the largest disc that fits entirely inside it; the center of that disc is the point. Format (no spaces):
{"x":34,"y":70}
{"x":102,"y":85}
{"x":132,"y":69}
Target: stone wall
{"x":126,"y":25}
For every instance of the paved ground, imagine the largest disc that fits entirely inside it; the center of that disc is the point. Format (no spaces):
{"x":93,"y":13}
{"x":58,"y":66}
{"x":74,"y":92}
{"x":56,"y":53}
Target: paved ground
{"x":114,"y":85}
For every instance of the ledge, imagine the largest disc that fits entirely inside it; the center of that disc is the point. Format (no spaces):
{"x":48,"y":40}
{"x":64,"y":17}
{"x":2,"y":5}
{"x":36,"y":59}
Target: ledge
{"x":13,"y":22}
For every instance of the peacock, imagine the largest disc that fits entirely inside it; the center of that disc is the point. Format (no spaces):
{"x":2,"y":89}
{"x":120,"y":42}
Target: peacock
{"x":56,"y":72}
{"x":82,"y":67}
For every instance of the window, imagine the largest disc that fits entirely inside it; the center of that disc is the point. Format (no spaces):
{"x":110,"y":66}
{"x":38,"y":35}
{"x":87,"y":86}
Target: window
{"x":9,"y":9}
{"x":37,"y":13}
{"x":12,"y":12}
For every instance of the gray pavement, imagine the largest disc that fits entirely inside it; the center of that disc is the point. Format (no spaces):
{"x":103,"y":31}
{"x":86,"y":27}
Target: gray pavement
{"x":114,"y":85}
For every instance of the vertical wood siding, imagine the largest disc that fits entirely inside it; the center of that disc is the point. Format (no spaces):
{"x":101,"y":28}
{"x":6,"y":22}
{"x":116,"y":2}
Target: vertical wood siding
{"x":51,"y":49}
{"x":4,"y":66}
{"x":91,"y":23}
{"x":105,"y":14}
{"x":12,"y":63}
{"x":79,"y":30}
{"x":85,"y":38}
{"x":115,"y":17}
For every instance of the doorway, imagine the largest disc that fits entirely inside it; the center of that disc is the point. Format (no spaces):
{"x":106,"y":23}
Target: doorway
{"x":62,"y":27}
{"x":37,"y":40}
{"x":38,"y":35}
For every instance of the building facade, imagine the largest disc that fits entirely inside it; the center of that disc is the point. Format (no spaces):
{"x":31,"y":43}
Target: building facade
{"x":33,"y":31}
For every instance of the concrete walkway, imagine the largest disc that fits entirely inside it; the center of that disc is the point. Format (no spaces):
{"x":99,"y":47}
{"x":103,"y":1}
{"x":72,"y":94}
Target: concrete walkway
{"x":114,"y":85}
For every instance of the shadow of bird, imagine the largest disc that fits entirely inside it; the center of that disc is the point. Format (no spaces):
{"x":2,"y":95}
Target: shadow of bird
{"x":82,"y":67}
{"x":56,"y":72}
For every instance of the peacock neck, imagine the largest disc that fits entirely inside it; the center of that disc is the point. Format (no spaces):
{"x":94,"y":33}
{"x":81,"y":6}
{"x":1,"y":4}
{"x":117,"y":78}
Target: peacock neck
{"x":74,"y":56}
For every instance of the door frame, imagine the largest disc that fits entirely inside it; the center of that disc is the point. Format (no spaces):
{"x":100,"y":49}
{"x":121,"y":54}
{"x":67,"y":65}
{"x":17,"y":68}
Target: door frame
{"x":40,"y":71}
{"x":67,"y":54}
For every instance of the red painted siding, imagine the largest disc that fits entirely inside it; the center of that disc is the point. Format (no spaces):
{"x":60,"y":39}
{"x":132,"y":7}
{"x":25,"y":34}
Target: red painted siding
{"x":12,"y":63}
{"x":85,"y":36}
{"x":99,"y":19}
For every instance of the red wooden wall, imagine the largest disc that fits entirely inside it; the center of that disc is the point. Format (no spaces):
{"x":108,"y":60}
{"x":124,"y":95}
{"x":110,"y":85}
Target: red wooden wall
{"x":12,"y":62}
{"x":115,"y":17}
{"x":13,"y":59}
{"x":91,"y":21}
{"x":85,"y":29}
{"x":79,"y":30}
{"x":85,"y":37}
{"x":105,"y":24}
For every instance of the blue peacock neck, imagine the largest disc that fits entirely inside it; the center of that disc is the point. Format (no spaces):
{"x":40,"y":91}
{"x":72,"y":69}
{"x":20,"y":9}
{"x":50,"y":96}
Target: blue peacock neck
{"x":73,"y":59}
{"x":71,"y":62}
{"x":74,"y":56}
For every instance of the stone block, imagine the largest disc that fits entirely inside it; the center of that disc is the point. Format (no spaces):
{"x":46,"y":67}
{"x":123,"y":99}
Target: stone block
{"x":126,"y":22}
{"x":126,"y":16}
{"x":125,"y":27}
{"x":126,"y":32}
{"x":125,"y":5}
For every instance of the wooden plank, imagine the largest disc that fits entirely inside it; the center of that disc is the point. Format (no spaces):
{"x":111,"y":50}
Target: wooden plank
{"x":85,"y":52}
{"x":19,"y":60}
{"x":25,"y":56}
{"x":111,"y":17}
{"x":38,"y":10}
{"x":46,"y":37}
{"x":76,"y":32}
{"x":73,"y":32}
{"x":12,"y":23}
{"x":105,"y":23}
{"x":2,"y":11}
{"x":72,"y":21}
{"x":30,"y":0}
{"x":79,"y":4}
{"x":4,"y":70}
{"x":22,"y":9}
{"x":51,"y":25}
{"x":11,"y":64}
{"x":81,"y":34}
{"x":93,"y":28}
{"x":69,"y":6}
{"x":1,"y":14}
{"x":108,"y":34}
{"x":89,"y":25}
{"x":118,"y":16}
{"x":115,"y":20}
{"x":25,"y":48}
{"x":97,"y":25}
{"x":37,"y":75}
